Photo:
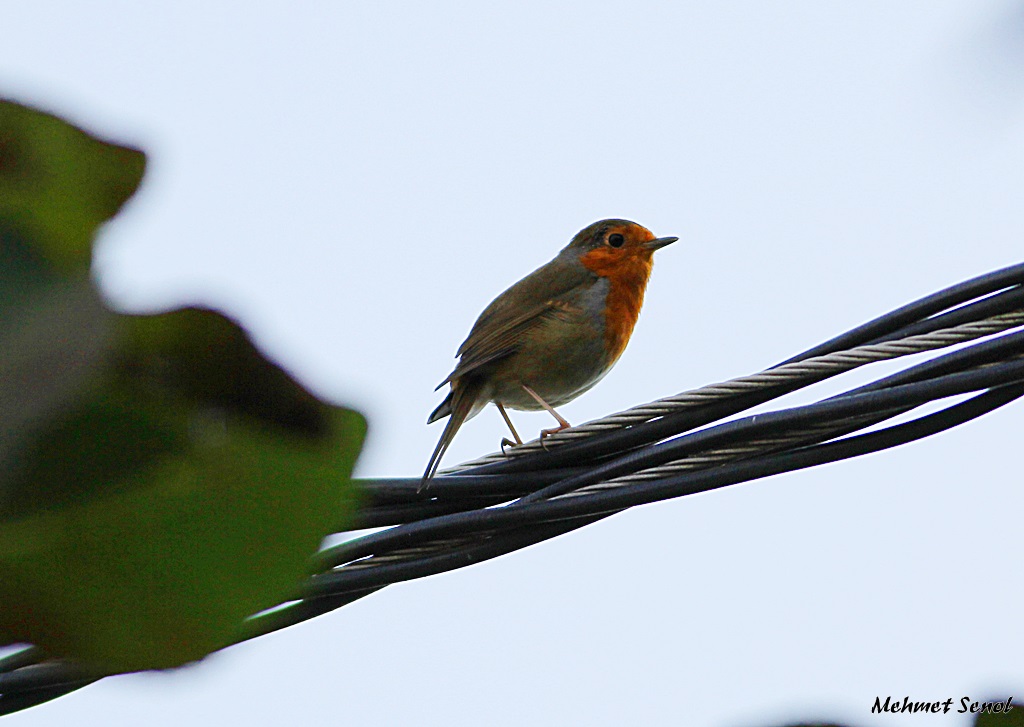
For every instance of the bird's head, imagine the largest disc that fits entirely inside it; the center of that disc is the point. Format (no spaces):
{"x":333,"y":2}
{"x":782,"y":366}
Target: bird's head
{"x":610,"y":246}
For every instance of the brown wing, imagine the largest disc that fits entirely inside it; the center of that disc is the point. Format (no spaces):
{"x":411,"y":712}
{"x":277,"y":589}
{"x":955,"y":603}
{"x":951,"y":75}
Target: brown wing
{"x":499,"y":329}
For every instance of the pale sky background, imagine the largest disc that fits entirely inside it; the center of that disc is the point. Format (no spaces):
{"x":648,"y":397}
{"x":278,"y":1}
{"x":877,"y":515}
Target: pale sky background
{"x":356,"y":181}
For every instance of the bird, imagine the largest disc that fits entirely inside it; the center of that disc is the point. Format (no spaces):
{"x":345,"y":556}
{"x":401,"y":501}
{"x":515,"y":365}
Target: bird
{"x":554,"y":334}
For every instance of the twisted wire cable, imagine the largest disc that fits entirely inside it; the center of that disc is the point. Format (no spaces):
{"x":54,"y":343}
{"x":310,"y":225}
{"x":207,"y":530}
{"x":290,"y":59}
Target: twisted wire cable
{"x":815,"y":369}
{"x":669,"y":448}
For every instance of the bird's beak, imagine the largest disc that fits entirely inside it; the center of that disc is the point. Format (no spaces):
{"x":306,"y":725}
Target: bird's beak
{"x":659,"y":242}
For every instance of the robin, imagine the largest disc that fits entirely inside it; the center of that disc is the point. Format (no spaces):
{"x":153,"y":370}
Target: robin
{"x":554,"y":334}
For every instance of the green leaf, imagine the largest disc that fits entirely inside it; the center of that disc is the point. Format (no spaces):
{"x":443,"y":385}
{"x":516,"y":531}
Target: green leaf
{"x":160,"y":479}
{"x":58,"y":184}
{"x":53,"y":346}
{"x":189,"y":492}
{"x":1012,"y":718}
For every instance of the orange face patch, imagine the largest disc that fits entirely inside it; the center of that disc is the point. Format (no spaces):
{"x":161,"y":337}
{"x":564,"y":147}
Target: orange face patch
{"x":627,"y":269}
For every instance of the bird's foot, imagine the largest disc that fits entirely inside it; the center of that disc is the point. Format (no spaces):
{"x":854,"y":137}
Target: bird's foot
{"x":545,"y":433}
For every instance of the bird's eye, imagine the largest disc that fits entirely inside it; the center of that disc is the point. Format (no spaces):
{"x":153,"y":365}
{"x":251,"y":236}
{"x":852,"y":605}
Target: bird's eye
{"x":616,"y":240}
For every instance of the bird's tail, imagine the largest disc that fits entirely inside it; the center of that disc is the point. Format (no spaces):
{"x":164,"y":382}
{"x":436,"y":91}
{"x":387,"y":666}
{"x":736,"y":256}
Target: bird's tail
{"x":443,"y":409}
{"x":457,"y":406}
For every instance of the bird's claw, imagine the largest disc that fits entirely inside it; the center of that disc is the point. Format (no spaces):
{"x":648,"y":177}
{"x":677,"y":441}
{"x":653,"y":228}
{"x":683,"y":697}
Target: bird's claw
{"x":545,"y":433}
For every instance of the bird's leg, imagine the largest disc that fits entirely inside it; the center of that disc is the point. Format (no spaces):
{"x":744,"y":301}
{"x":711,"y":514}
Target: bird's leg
{"x":562,"y":423}
{"x":506,"y":442}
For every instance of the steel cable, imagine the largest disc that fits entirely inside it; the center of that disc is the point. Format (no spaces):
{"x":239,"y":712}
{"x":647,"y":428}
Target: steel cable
{"x":673,"y":447}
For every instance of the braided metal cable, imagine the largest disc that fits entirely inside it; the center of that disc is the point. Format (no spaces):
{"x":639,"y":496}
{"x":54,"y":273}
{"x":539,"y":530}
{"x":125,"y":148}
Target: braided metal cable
{"x":672,"y":447}
{"x":816,"y":432}
{"x":816,"y":368}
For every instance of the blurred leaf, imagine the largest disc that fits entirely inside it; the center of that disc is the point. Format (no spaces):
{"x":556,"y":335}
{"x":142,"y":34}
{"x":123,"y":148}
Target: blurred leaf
{"x":53,"y":346}
{"x":188,"y":493}
{"x":207,"y":358}
{"x":58,"y":184}
{"x":160,"y":480}
{"x":1013,"y":718}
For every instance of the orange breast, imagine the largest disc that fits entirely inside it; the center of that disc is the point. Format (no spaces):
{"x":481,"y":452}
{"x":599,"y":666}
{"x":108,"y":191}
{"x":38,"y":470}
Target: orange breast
{"x":627,"y":272}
